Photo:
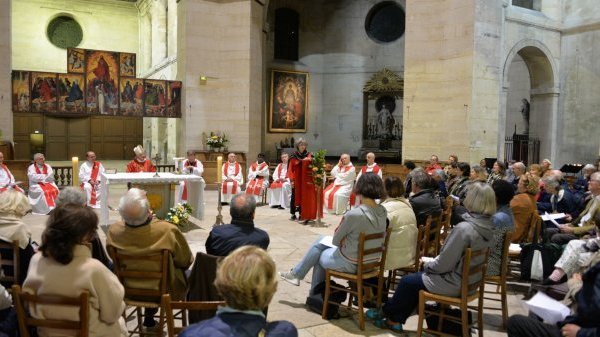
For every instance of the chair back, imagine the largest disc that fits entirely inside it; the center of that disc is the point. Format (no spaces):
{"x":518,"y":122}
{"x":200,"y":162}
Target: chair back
{"x":504,"y":257}
{"x":201,"y":281}
{"x":372,"y":259}
{"x":535,"y":228}
{"x":474,"y":268}
{"x":10,"y":261}
{"x":446,"y":217}
{"x":431,"y":239}
{"x":144,"y":277}
{"x":21,"y":299}
{"x":169,"y":306}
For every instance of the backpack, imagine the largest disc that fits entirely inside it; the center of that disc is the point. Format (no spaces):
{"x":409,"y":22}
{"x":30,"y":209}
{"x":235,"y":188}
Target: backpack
{"x":314,"y":302}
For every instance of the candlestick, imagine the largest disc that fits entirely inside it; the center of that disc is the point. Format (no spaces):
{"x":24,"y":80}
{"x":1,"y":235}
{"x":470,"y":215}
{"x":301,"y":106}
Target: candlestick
{"x":75,"y":179}
{"x":219,"y":169}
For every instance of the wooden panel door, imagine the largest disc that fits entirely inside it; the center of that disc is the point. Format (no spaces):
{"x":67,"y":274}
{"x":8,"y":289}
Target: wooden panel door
{"x":56,"y":138}
{"x":79,"y":137}
{"x":115,"y":137}
{"x":23,"y":125}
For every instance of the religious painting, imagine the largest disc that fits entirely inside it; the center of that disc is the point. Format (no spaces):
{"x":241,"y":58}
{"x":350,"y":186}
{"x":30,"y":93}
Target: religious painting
{"x":70,"y":93}
{"x":155,"y":97}
{"x":75,"y":60}
{"x":174,"y":99}
{"x":43,"y":92}
{"x":20,"y":91}
{"x":102,"y":78}
{"x":289,"y":101}
{"x":127,"y":64}
{"x":131,"y":92}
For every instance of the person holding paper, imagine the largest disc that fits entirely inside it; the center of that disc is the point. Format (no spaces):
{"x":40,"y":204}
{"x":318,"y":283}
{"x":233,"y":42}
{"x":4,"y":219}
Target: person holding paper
{"x":560,"y":199}
{"x":523,"y":206}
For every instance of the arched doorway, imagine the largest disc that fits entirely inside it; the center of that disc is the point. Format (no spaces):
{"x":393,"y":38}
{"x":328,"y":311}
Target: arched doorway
{"x":529,"y":104}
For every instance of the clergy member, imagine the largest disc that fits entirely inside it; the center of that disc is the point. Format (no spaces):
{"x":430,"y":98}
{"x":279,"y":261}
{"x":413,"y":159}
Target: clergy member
{"x":280,"y":190}
{"x":42,"y":190}
{"x":233,"y":178}
{"x":90,"y":174}
{"x":370,"y":167}
{"x":7,"y":180}
{"x":258,"y":177}
{"x":304,"y":193}
{"x":140,"y":163}
{"x":336,"y":195}
{"x":192,"y":166}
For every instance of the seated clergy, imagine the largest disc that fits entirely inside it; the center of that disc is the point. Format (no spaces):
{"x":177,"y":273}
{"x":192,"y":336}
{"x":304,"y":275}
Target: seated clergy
{"x":192,"y":166}
{"x":280,"y":190}
{"x":42,"y":190}
{"x":140,"y":163}
{"x":370,"y":167}
{"x":336,"y":195}
{"x":7,"y":180}
{"x":232,"y":178}
{"x":258,"y":177}
{"x":90,"y":174}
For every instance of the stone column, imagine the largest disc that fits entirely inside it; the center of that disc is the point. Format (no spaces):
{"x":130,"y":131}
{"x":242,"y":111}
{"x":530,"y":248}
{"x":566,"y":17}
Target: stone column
{"x":6,"y":117}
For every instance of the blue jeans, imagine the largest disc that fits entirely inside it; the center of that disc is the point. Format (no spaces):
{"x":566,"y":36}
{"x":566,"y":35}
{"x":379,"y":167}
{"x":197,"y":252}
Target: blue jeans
{"x":406,"y":298}
{"x":321,"y":257}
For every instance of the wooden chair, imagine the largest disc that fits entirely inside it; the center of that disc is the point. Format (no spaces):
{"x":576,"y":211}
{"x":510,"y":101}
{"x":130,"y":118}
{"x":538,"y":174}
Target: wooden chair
{"x":394,"y":275}
{"x":144,"y":278}
{"x":534,"y":235}
{"x":432,"y":243}
{"x":21,"y":299}
{"x":446,"y":217}
{"x":12,"y":261}
{"x":500,"y":280}
{"x":183,"y":307}
{"x":468,"y":293}
{"x":365,"y":269}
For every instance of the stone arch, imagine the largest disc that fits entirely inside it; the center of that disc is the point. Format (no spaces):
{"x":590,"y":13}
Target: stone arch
{"x":535,"y":53}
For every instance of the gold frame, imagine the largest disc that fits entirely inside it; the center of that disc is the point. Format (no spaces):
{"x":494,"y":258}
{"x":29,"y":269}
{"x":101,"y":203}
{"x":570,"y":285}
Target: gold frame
{"x":272,"y":96}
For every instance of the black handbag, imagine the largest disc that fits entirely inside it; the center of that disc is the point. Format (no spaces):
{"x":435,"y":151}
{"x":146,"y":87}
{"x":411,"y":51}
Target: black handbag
{"x":315,"y":302}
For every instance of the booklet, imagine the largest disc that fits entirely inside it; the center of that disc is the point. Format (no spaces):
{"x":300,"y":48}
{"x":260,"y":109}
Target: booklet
{"x":547,"y":308}
{"x":327,"y":240}
{"x":549,"y":217}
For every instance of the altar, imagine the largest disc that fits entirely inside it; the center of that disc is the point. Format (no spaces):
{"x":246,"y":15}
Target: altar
{"x":158,"y":187}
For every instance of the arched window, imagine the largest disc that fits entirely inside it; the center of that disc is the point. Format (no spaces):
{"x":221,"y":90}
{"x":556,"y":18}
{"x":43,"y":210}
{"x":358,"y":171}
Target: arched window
{"x":287,"y":38}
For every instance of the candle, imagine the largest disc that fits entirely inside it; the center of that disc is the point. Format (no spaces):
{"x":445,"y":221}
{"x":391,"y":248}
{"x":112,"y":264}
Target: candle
{"x":219,"y":168}
{"x":75,"y":180}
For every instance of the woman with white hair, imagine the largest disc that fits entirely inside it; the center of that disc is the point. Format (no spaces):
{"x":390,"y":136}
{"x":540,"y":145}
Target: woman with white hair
{"x":443,"y":275}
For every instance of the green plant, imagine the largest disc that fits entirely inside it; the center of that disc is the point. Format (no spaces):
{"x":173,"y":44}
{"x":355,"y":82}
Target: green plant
{"x":318,"y":165}
{"x":179,"y":214}
{"x":217,"y":139}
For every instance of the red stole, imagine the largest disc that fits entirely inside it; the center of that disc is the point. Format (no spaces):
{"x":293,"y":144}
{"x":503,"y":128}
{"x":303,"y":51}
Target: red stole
{"x":375,"y":169}
{"x":279,"y":184}
{"x":50,"y":193}
{"x":2,"y":189}
{"x":255,"y":185}
{"x":94,"y":178}
{"x":184,"y":193}
{"x":235,"y":183}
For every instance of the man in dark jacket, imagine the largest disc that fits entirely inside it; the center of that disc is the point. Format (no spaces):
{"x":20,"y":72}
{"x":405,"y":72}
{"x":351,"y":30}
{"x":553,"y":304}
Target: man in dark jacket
{"x":425,"y":201}
{"x":584,"y":323}
{"x":241,"y":232}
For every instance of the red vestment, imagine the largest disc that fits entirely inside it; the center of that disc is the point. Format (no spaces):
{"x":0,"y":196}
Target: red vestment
{"x":135,"y":166}
{"x":94,"y":179}
{"x":305,"y":192}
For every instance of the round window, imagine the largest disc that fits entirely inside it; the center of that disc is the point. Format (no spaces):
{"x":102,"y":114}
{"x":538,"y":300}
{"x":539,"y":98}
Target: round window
{"x":385,"y":22}
{"x":64,"y":32}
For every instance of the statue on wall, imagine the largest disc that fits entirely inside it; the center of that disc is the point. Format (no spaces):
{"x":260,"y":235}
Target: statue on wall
{"x":385,"y":122}
{"x":525,"y":115}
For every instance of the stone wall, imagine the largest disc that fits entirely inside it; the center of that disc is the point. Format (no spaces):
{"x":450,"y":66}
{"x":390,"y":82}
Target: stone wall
{"x":6,"y":120}
{"x":519,"y":88}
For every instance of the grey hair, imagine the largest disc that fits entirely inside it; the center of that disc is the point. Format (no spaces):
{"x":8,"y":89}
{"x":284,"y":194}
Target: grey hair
{"x":520,"y":166}
{"x":71,"y":195}
{"x":589,"y":167}
{"x":480,"y":199}
{"x":421,"y":179}
{"x":37,"y":155}
{"x":134,"y":207}
{"x":440,"y":173}
{"x":242,"y":206}
{"x":595,"y":176}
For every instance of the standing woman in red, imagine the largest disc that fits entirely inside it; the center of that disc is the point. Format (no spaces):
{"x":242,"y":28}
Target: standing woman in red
{"x":304,"y":193}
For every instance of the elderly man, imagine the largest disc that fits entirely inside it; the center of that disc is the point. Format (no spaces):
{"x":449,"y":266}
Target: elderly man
{"x":90,"y":174}
{"x":258,"y":177}
{"x":371,"y":166}
{"x":7,"y":180}
{"x":518,"y":169}
{"x":42,"y":190}
{"x":141,"y":234}
{"x":224,"y":239}
{"x":232,"y":178}
{"x":140,"y":163}
{"x":336,"y":195}
{"x":424,"y":201}
{"x":280,"y":190}
{"x":192,"y":166}
{"x":433,"y":165}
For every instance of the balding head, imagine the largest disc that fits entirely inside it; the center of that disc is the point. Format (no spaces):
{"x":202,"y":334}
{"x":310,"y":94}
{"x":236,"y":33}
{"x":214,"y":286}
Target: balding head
{"x":344,"y":159}
{"x":231,"y":157}
{"x":370,"y":158}
{"x":518,"y":169}
{"x":242,"y":207}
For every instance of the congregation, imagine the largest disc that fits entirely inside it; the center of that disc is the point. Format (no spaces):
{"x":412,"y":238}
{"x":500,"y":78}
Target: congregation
{"x":485,"y":206}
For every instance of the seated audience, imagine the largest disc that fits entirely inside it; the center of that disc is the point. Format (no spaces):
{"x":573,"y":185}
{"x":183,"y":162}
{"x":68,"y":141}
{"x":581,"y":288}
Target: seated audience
{"x":523,"y":206}
{"x":484,"y":165}
{"x":536,"y":170}
{"x":337,"y":194}
{"x":518,"y":169}
{"x":13,"y":207}
{"x":560,"y":199}
{"x":410,"y":167}
{"x":443,"y":275}
{"x":462,"y":171}
{"x":140,"y":234}
{"x":64,"y":266}
{"x":224,"y":239}
{"x":498,"y":172}
{"x":424,"y":202}
{"x":478,"y":173}
{"x":546,"y":166}
{"x":503,"y":222}
{"x":433,"y":165}
{"x":8,"y":315}
{"x":42,"y":189}
{"x":452,"y":159}
{"x":585,"y":322}
{"x":246,"y":280}
{"x":368,"y":218}
{"x":403,"y":239}
{"x":439,"y":178}
{"x":581,"y":184}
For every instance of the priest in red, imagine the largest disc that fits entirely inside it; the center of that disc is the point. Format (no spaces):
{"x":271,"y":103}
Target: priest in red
{"x":90,"y":174}
{"x":371,"y":166}
{"x":304,"y":193}
{"x":258,"y":177}
{"x":7,"y":180}
{"x":42,"y":190}
{"x":140,"y":163}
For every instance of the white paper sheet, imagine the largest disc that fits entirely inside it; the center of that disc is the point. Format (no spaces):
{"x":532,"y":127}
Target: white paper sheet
{"x":514,"y":248}
{"x":549,"y":217}
{"x":327,"y":241}
{"x":549,"y":309}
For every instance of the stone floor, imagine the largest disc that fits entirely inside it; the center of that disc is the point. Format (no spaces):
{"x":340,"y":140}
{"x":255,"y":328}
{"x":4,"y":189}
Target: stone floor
{"x":289,"y":241}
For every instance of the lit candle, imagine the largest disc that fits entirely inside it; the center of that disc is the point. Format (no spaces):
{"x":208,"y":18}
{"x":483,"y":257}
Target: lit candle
{"x":75,"y":180}
{"x":219,"y":168}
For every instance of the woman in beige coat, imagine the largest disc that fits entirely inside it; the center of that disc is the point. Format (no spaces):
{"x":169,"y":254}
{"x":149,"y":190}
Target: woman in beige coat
{"x":64,"y":266}
{"x":403,"y":240}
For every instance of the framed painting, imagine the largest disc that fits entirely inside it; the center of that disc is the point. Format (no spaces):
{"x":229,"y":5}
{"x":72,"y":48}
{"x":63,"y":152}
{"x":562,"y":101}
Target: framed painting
{"x":174,"y":99}
{"x":43,"y":92}
{"x":75,"y":60}
{"x":127,"y":64}
{"x":155,"y":96}
{"x":20,"y":91}
{"x":102,"y":78}
{"x":70,"y":94}
{"x":131,"y":94}
{"x":289,"y":101}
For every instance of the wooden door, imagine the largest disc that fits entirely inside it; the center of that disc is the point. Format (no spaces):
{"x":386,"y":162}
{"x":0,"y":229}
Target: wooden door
{"x":23,"y":125}
{"x":67,"y":137}
{"x":115,"y":137}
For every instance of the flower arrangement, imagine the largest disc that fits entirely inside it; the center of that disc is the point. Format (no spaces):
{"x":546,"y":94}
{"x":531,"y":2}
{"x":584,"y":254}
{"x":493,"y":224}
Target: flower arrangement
{"x":216,"y":140}
{"x":318,"y":166}
{"x":179,"y":214}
